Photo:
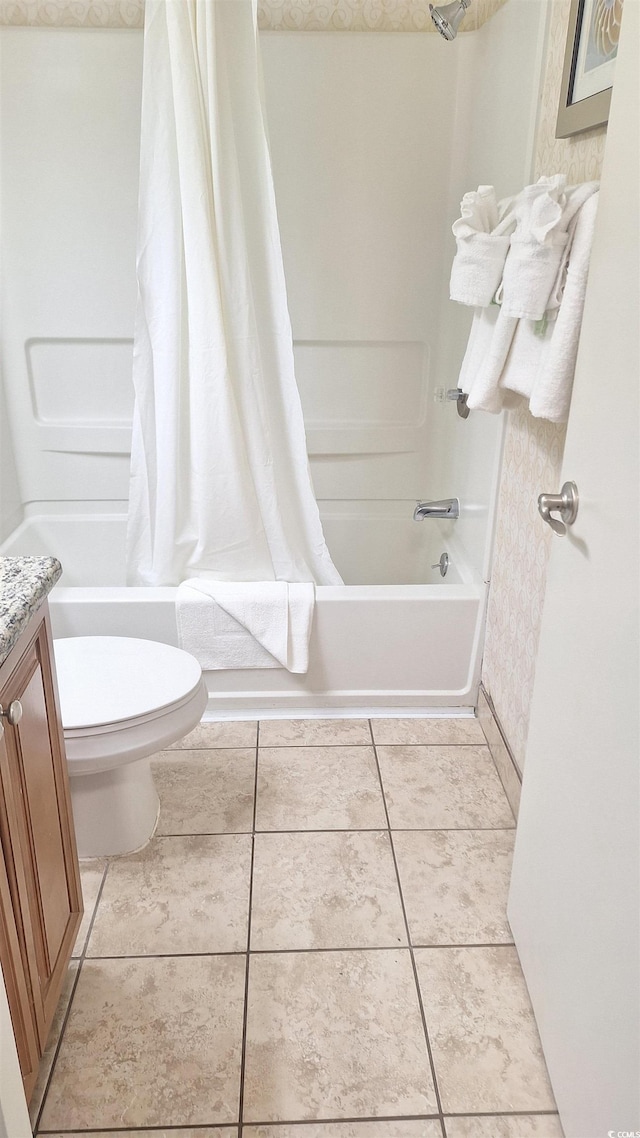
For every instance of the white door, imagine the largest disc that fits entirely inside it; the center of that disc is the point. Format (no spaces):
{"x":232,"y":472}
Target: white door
{"x":574,"y":904}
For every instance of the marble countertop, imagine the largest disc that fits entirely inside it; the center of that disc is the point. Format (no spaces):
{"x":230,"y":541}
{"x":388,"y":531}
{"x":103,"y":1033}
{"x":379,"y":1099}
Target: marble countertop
{"x":24,"y":582}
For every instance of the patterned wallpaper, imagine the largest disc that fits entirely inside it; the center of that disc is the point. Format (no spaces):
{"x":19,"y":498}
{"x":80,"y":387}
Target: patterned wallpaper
{"x":273,"y":15}
{"x":532,"y":458}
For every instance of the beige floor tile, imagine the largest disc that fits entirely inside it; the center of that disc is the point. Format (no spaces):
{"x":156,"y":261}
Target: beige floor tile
{"x":427,"y":731}
{"x":516,"y":1126}
{"x":455,"y":884}
{"x":208,"y":1132}
{"x":46,"y":1061}
{"x":314,"y":732}
{"x":331,"y":890}
{"x":319,"y":788}
{"x":205,"y":792}
{"x":334,"y":1034}
{"x":178,"y":895}
{"x":436,"y":788}
{"x":224,"y":733}
{"x":150,"y":1043}
{"x":485,"y":1043}
{"x":91,"y":875}
{"x":411,"y":1128}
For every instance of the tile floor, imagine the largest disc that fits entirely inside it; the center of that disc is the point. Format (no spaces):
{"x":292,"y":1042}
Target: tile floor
{"x":313,"y":945}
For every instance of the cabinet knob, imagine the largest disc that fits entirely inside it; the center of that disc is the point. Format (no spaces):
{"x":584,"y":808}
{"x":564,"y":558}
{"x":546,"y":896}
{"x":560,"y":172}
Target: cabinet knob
{"x":13,"y":714}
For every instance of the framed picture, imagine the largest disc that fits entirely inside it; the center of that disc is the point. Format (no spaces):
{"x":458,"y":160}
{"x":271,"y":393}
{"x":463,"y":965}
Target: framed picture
{"x":589,"y":62}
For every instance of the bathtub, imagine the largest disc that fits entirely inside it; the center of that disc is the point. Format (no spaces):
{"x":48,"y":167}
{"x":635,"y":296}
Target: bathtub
{"x":397,"y":638}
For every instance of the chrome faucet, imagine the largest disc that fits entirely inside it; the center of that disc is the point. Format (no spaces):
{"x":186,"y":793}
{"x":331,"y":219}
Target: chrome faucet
{"x":445,"y":508}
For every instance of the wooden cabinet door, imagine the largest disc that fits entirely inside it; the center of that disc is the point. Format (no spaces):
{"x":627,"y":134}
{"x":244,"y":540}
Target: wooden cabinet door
{"x":13,"y":946}
{"x":49,"y":900}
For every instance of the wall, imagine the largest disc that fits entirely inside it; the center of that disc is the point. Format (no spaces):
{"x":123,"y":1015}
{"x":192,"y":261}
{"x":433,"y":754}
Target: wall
{"x":11,"y":511}
{"x":532,"y":458}
{"x":273,"y":15}
{"x":69,"y":169}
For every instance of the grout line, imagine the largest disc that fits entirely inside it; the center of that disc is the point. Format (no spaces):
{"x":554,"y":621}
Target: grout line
{"x":329,"y":746}
{"x":501,"y":1113}
{"x":303,"y":951}
{"x":298,"y":746}
{"x":343,"y":830}
{"x":80,"y":960}
{"x":408,"y":935}
{"x":245,"y":1015}
{"x":276,"y":1124}
{"x":150,"y":1130}
{"x":159,"y":1130}
{"x":168,"y":955}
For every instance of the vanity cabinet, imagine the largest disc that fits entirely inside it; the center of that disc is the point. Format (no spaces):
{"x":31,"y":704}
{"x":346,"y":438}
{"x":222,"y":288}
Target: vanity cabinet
{"x":40,"y":894}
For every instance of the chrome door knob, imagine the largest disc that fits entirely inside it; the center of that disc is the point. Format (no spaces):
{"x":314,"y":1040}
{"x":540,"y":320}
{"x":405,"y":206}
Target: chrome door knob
{"x":565,"y":503}
{"x":13,"y":714}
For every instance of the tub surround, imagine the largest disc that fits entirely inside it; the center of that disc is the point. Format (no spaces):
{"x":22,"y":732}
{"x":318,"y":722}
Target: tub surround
{"x":24,"y":583}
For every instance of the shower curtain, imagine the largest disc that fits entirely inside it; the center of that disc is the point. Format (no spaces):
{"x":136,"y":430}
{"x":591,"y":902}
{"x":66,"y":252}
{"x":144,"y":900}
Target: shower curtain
{"x":220,"y":483}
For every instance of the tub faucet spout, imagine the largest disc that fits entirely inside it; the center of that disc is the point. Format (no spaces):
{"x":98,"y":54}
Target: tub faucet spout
{"x":445,"y":508}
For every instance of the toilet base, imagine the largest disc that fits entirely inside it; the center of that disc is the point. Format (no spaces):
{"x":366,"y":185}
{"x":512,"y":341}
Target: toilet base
{"x":114,"y":811}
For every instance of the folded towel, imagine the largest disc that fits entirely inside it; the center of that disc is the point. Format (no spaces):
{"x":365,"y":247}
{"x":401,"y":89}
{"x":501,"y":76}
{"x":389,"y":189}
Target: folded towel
{"x":482,"y":240}
{"x":576,"y":196}
{"x":541,"y":367}
{"x":506,"y":355}
{"x":246,"y":625}
{"x":535,"y":266}
{"x":492,"y":332}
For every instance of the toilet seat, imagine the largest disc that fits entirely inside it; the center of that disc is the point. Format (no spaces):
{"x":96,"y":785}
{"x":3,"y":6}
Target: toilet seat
{"x":108,"y":679}
{"x":121,"y":700}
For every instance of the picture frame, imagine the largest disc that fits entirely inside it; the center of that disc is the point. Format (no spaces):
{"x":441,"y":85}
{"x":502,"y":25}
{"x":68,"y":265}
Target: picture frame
{"x":589,"y":63}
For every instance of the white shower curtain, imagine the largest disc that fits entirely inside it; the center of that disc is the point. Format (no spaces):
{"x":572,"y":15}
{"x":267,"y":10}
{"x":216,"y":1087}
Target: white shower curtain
{"x":220,"y":482}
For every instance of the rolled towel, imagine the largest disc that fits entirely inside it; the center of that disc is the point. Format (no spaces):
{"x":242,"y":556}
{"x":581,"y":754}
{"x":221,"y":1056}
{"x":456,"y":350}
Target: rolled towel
{"x":262,"y":624}
{"x":482,"y":240}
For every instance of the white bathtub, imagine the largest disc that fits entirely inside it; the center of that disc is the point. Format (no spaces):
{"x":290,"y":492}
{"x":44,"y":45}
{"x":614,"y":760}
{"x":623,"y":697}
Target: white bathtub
{"x":396,"y":637}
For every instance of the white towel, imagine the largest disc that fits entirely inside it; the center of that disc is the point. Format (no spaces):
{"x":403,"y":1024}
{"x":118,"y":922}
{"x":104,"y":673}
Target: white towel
{"x":540,"y":246}
{"x":491,"y":335}
{"x":505,"y":354}
{"x":482,"y":240}
{"x":542,"y":367}
{"x":262,"y":624}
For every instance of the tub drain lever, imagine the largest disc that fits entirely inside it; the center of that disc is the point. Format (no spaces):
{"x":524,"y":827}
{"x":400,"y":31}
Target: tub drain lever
{"x":442,"y":564}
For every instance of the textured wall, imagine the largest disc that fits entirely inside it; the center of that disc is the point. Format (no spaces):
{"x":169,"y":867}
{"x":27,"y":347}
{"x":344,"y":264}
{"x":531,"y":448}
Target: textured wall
{"x":273,"y":15}
{"x":532,"y":458}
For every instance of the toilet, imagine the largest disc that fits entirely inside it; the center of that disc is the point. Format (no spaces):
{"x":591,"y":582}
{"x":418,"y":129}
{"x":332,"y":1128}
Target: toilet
{"x":121,"y":700}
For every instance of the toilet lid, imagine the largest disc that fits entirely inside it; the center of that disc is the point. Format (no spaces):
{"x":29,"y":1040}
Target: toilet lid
{"x":107,"y":679}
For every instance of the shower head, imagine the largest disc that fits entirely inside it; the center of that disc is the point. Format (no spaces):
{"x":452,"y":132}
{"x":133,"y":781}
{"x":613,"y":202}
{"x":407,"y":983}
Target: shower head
{"x":448,"y":18}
